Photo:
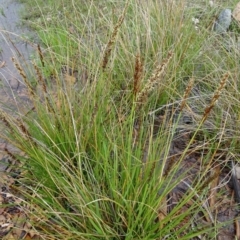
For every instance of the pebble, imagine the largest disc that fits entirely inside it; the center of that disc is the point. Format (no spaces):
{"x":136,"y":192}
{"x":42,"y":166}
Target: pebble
{"x":3,"y":164}
{"x":14,"y":83}
{"x":223,"y":21}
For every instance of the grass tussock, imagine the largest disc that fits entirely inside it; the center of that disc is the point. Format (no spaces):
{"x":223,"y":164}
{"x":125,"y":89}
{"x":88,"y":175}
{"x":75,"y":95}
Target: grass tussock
{"x":117,"y":118}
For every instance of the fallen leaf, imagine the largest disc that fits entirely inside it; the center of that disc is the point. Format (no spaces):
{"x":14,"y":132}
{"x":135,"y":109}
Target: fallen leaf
{"x":1,"y":201}
{"x":2,"y":219}
{"x":237,"y":229}
{"x":70,"y":79}
{"x":9,"y":237}
{"x":71,"y":30}
{"x":237,"y":169}
{"x":162,"y":212}
{"x":236,"y":12}
{"x":213,"y":187}
{"x":2,"y":64}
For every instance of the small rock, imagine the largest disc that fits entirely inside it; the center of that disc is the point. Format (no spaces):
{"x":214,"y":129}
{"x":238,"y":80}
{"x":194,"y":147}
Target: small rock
{"x":2,"y":219}
{"x":236,"y":12}
{"x":14,"y":83}
{"x":223,"y":21}
{"x":3,"y":164}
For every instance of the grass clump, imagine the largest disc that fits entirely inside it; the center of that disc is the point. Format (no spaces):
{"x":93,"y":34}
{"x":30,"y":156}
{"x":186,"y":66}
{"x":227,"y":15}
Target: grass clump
{"x":109,"y":105}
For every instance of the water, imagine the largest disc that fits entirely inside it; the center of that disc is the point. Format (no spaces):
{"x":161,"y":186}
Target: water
{"x":13,"y":43}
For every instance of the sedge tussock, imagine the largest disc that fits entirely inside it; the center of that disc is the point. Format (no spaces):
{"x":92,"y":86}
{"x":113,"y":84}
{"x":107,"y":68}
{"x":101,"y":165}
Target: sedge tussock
{"x":215,"y":97}
{"x":112,"y":39}
{"x":186,"y":93}
{"x":95,"y":153}
{"x":154,"y":79}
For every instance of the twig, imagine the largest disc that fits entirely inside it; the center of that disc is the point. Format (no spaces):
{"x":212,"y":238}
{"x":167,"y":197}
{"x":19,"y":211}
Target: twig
{"x":204,"y":204}
{"x":236,"y":186}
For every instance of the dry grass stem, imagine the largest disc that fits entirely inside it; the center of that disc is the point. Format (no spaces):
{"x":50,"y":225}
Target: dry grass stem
{"x":24,"y":131}
{"x":93,"y":116}
{"x":171,"y":162}
{"x":10,"y":126}
{"x":40,"y":54}
{"x":24,"y":77}
{"x":49,"y":105}
{"x":186,"y":93}
{"x":153,"y":80}
{"x":162,"y":212}
{"x":136,"y":132}
{"x":138,"y":73}
{"x":44,"y":88}
{"x":213,"y":187}
{"x":215,"y":96}
{"x":40,"y":78}
{"x":209,"y":180}
{"x":141,"y":96}
{"x":135,"y":135}
{"x":20,"y":70}
{"x":10,"y":154}
{"x":112,"y":39}
{"x":15,"y":48}
{"x":4,"y":119}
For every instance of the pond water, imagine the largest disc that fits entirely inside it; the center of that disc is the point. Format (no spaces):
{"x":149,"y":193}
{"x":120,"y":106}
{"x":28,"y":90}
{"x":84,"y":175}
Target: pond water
{"x":13,"y":43}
